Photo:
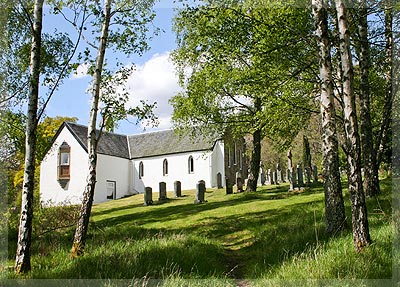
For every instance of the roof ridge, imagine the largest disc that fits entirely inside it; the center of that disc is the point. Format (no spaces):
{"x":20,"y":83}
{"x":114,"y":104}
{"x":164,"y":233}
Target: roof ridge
{"x":97,"y":130}
{"x":151,"y":132}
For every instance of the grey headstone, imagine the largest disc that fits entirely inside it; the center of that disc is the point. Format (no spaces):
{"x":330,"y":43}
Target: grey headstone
{"x":279,"y":178}
{"x":275,"y":176}
{"x":177,"y":188}
{"x":300,"y":179}
{"x":228,"y":186}
{"x":200,"y":190}
{"x":271,"y":177}
{"x":293,"y":178}
{"x":307,"y":171}
{"x":148,"y":196}
{"x":163,"y":191}
{"x":315,"y":173}
{"x":219,"y":180}
{"x":239,"y":182}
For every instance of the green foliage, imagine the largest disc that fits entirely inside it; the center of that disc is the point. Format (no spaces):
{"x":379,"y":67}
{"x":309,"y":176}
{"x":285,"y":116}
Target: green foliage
{"x":12,"y":149}
{"x":241,"y":68}
{"x":56,"y":50}
{"x":256,"y":236}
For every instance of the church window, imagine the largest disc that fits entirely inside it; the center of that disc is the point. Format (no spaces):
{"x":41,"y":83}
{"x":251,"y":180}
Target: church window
{"x":141,"y":169}
{"x":64,"y":161}
{"x":191,"y":164}
{"x":165,"y":167}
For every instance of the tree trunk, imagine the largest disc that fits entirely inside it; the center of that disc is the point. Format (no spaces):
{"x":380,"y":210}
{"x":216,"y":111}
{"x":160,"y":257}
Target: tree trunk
{"x":254,"y":162}
{"x":371,"y":182}
{"x":334,"y":204}
{"x":358,"y":207}
{"x":78,"y":247}
{"x":387,"y":109}
{"x":22,"y":260}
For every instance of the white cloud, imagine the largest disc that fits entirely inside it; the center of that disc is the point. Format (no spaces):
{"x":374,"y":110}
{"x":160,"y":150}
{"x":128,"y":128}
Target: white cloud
{"x":81,"y":71}
{"x":155,"y":81}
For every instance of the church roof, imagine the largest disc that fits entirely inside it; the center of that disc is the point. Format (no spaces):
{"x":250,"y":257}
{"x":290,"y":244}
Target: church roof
{"x":109,"y":144}
{"x":166,"y":142}
{"x":142,"y":145}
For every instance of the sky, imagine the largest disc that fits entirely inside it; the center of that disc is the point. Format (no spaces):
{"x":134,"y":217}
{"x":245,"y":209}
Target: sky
{"x":153,"y":80}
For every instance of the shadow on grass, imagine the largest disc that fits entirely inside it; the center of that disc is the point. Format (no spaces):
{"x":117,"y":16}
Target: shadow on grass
{"x":242,"y":245}
{"x":150,"y":258}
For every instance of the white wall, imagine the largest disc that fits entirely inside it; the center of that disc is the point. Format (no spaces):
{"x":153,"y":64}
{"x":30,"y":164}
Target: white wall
{"x":177,"y":170}
{"x":50,"y":188}
{"x":218,"y":165}
{"x":112,"y":169}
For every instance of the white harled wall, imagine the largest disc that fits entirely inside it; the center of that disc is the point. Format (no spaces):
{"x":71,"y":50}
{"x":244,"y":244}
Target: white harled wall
{"x":110,"y":168}
{"x":178,"y":170}
{"x":207,"y":164}
{"x":51,"y":192}
{"x":218,"y":165}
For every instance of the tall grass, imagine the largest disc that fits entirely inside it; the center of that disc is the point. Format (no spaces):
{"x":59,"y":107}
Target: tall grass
{"x":269,"y":237}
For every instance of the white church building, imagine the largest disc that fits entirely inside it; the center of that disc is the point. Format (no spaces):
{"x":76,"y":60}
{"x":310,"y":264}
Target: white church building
{"x":128,"y":164}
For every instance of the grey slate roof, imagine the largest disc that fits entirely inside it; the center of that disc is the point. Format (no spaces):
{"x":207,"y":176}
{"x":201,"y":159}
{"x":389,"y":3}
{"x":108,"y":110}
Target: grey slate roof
{"x":142,"y":145}
{"x":109,"y":144}
{"x":166,"y":142}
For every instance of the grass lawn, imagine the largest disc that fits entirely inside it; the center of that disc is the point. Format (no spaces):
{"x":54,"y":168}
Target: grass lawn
{"x":267,"y":238}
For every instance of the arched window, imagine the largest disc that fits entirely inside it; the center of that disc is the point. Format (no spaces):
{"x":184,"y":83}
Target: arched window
{"x":64,"y":161}
{"x":141,"y":169}
{"x":190,"y":165}
{"x":165,"y":167}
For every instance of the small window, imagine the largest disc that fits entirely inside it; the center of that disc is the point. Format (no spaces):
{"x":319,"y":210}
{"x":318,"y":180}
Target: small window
{"x":165,"y":167}
{"x":111,"y":189}
{"x":190,"y":164}
{"x":64,"y":159}
{"x":141,"y":169}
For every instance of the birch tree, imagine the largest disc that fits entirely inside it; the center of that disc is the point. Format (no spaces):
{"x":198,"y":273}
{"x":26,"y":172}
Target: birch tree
{"x":384,"y":131}
{"x":335,"y":217}
{"x":360,"y":226}
{"x":130,"y":18}
{"x":22,"y":261}
{"x":371,"y":181}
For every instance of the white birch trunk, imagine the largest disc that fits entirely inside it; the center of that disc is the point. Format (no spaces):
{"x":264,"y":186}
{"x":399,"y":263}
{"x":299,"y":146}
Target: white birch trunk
{"x":22,"y":260}
{"x":361,"y":234}
{"x":334,"y":205}
{"x":78,"y":246}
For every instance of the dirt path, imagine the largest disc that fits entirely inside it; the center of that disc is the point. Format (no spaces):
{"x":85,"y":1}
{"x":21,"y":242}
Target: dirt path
{"x":235,"y":266}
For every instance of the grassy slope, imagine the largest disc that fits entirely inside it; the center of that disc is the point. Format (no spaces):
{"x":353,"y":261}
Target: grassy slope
{"x":267,"y":235}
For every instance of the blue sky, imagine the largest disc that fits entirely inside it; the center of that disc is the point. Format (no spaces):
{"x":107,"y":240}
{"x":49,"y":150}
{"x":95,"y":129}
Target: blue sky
{"x":153,"y":80}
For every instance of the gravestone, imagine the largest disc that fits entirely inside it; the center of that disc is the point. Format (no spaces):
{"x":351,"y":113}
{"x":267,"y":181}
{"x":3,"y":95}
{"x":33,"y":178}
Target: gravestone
{"x":228,"y":186}
{"x":148,"y":196}
{"x":239,"y":182}
{"x":263,"y":177}
{"x":163,"y":191}
{"x":315,"y":173}
{"x":177,"y":188}
{"x":308,"y":175}
{"x":279,"y":177}
{"x":275,"y":177}
{"x":200,"y":190}
{"x":292,"y":179}
{"x":267,"y":178}
{"x":300,"y":179}
{"x":271,"y":177}
{"x":219,"y":180}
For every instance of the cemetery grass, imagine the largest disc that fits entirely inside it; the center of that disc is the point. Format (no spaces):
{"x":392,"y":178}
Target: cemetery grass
{"x":265,"y":237}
